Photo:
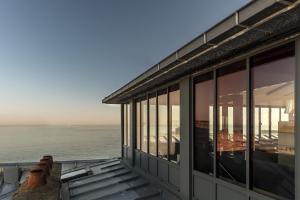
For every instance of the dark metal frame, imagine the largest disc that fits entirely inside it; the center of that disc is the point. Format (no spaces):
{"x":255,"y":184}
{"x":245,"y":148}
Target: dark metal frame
{"x":249,"y":127}
{"x":167,"y":88}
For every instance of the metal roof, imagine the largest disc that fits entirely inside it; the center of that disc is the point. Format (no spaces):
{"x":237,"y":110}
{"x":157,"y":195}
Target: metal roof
{"x":109,"y":180}
{"x":258,"y":22}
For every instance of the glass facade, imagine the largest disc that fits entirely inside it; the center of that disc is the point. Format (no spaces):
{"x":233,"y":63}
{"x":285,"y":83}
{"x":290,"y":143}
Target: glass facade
{"x":273,"y":151}
{"x":231,"y":137}
{"x":163,"y":125}
{"x":144,"y":126}
{"x":271,"y":139}
{"x":158,"y":124}
{"x":138,"y":125}
{"x":203,"y":132}
{"x":174,"y":124}
{"x":267,"y":86}
{"x":152,"y":127}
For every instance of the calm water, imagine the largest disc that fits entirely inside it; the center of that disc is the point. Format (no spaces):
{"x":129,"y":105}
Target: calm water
{"x":29,"y":143}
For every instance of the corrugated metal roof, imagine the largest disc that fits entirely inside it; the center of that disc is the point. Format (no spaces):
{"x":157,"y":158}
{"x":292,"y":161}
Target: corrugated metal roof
{"x":256,"y":22}
{"x":109,"y":180}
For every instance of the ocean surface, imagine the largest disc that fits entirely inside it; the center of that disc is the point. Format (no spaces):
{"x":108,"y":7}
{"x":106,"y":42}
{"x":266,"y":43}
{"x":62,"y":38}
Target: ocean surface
{"x":30,"y":143}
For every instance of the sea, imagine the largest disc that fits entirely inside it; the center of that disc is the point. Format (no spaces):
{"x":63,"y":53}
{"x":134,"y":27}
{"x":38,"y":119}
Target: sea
{"x":30,"y":143}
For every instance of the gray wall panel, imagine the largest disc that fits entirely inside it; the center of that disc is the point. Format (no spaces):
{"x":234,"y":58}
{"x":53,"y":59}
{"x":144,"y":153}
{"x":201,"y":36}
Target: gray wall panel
{"x":144,"y":162}
{"x":169,"y":196}
{"x":153,"y":166}
{"x":225,"y":193}
{"x":185,"y":140}
{"x":130,"y":155}
{"x":163,"y":170}
{"x":137,"y":159}
{"x":204,"y":189}
{"x":174,"y":175}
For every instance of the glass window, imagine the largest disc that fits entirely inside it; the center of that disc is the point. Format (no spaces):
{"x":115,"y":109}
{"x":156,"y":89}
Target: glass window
{"x":128,"y":125}
{"x":174,"y":109}
{"x":163,"y":126}
{"x":203,"y":135}
{"x":144,"y":132}
{"x":152,"y":126}
{"x":231,"y":141}
{"x":273,"y":148}
{"x":138,"y":125}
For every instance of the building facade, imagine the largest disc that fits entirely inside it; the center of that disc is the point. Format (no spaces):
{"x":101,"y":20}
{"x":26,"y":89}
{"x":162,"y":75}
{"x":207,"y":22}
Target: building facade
{"x":217,"y":119}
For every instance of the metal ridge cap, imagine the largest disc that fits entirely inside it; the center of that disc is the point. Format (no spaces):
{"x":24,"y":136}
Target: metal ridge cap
{"x":236,"y":13}
{"x":105,"y":99}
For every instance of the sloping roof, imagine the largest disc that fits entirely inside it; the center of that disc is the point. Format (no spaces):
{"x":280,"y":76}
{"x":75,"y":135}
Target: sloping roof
{"x":109,"y":180}
{"x":256,"y":23}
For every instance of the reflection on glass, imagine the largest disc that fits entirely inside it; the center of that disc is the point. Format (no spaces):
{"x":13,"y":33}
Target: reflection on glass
{"x":138,"y":125}
{"x":152,"y":126}
{"x":162,"y":126}
{"x":274,"y":121}
{"x":274,"y":145}
{"x":144,"y":133}
{"x":231,"y":141}
{"x":174,"y":109}
{"x":203,"y":136}
{"x":264,"y":123}
{"x":128,"y":125}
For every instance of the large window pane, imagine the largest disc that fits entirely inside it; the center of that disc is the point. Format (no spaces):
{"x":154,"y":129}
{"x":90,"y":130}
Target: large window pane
{"x":138,"y":125}
{"x":203,"y":136}
{"x":144,"y":133}
{"x":231,"y":141}
{"x":152,"y":126}
{"x":174,"y":109}
{"x":162,"y":126}
{"x":128,"y":125}
{"x":273,"y":92}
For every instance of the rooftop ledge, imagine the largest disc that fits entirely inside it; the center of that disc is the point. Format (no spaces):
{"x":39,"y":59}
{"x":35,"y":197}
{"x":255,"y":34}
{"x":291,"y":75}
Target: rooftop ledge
{"x":256,"y":23}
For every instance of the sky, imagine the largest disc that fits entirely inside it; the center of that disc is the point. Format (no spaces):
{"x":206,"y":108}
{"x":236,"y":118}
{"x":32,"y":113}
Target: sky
{"x":59,"y":58}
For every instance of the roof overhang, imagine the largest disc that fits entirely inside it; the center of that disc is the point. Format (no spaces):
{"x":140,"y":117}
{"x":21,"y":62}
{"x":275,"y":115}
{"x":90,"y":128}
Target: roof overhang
{"x":258,"y":23}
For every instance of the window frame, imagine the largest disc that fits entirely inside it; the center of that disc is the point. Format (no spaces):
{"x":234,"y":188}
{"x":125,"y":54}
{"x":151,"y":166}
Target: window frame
{"x":154,"y":94}
{"x":249,"y":116}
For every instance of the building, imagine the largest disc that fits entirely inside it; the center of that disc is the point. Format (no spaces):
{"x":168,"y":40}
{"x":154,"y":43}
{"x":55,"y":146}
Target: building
{"x":217,"y":119}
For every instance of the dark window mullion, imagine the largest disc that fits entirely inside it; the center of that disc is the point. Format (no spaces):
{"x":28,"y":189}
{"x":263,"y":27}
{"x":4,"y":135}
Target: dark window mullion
{"x":249,"y":122}
{"x":168,"y":123}
{"x":215,"y":128}
{"x":157,"y":124}
{"x":148,"y":124}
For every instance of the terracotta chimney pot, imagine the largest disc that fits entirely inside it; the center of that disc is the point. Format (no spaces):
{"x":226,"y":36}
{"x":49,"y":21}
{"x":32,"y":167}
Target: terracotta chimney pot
{"x":50,"y":158}
{"x":36,"y":178}
{"x":44,"y":167}
{"x":47,"y":161}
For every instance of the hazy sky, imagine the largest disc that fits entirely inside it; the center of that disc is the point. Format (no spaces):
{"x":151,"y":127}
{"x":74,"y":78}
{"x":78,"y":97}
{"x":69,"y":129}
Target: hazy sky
{"x":59,"y":58}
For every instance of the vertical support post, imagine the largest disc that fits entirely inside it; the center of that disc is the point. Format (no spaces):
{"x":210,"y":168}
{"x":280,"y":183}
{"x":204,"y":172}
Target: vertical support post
{"x":297,"y":120}
{"x":215,"y":131}
{"x":148,"y":132}
{"x":248,"y":127}
{"x":156,"y":129}
{"x":185,"y":139}
{"x":270,"y":122}
{"x":168,"y":124}
{"x":259,"y":122}
{"x":132,"y":131}
{"x":122,"y":130}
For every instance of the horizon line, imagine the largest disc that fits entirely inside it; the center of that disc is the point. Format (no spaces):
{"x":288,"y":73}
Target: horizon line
{"x":60,"y":125}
